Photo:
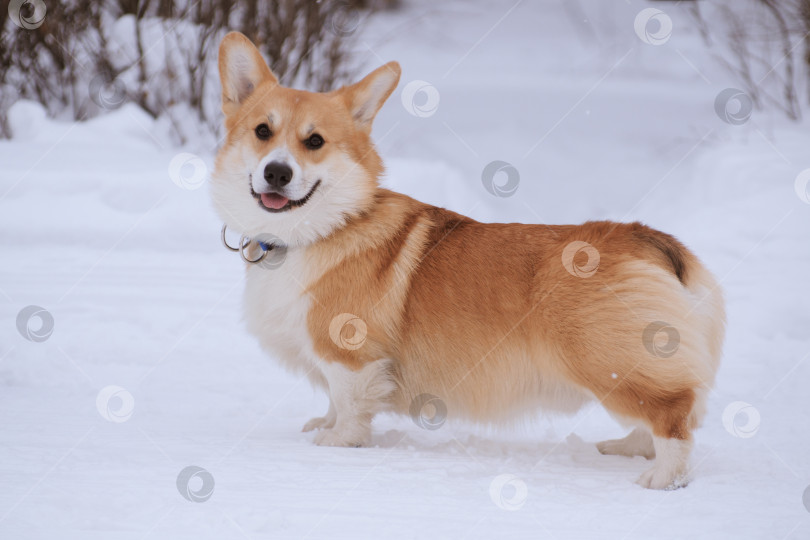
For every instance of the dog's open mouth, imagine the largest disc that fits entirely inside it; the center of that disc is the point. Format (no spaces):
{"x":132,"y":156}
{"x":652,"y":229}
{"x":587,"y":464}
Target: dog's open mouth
{"x":275,"y":202}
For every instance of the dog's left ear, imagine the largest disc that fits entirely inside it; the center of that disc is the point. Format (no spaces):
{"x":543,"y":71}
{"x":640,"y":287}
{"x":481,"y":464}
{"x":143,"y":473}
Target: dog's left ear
{"x":365,"y":98}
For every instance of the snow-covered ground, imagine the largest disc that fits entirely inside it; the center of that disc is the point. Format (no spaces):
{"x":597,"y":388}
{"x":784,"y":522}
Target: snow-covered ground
{"x":149,"y":371}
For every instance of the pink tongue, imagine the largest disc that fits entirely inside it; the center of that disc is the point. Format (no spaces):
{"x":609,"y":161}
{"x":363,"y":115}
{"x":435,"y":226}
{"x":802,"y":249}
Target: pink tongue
{"x":274,"y":200}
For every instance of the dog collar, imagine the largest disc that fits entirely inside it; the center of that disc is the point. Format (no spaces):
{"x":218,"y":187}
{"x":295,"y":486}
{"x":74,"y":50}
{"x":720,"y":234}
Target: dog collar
{"x":244,"y":242}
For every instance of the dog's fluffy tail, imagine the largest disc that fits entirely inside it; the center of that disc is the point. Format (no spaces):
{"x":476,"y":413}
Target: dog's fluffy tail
{"x":672,"y":254}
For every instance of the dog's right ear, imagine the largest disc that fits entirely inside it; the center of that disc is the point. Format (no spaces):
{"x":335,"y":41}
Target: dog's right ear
{"x":241,"y":70}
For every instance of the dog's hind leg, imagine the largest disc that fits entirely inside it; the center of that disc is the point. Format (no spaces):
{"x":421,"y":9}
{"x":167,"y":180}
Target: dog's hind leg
{"x":638,"y":443}
{"x":671,"y":464}
{"x":668,"y":413}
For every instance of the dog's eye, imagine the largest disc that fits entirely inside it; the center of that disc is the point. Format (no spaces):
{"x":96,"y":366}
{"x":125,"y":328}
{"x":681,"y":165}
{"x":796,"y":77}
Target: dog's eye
{"x":263,"y":132}
{"x":314,"y":141}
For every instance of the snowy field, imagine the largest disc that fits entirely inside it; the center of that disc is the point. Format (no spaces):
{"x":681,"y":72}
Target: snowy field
{"x":149,"y":370}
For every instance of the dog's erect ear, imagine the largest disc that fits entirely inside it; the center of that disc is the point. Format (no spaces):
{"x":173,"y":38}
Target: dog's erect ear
{"x":366,"y":97}
{"x":241,"y":70}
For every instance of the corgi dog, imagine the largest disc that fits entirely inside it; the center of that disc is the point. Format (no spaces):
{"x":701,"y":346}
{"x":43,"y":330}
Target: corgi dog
{"x":391,"y":304}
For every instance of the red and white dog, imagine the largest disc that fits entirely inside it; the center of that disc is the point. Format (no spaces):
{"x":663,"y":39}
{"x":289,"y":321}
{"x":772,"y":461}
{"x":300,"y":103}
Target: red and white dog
{"x":495,"y":320}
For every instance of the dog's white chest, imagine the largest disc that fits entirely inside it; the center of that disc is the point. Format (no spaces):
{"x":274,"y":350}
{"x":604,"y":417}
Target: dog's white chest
{"x":276,"y":307}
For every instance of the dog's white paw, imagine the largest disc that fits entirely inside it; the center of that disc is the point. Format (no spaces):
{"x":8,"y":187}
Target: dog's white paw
{"x":352,"y":438}
{"x":319,"y":422}
{"x":611,"y":448}
{"x":662,"y":478}
{"x":671,"y":469}
{"x":637,"y":443}
{"x":620,"y":447}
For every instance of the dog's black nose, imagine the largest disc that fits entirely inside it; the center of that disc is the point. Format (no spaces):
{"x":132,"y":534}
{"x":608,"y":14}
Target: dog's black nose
{"x":277,"y":174}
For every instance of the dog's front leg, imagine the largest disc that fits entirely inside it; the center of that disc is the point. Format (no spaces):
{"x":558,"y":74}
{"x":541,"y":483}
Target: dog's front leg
{"x":323,"y":422}
{"x":356,"y":395}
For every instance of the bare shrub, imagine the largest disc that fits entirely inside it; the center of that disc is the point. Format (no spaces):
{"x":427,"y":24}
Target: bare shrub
{"x":757,"y":41}
{"x":161,"y":54}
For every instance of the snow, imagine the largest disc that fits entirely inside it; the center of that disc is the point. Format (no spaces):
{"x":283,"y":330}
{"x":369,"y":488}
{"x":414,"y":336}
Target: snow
{"x":149,"y":370}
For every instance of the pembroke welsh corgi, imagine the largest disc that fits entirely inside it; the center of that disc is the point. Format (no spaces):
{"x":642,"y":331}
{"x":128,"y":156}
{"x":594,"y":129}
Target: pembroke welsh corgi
{"x":391,"y":304}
